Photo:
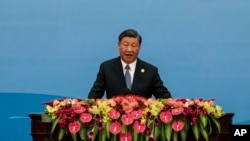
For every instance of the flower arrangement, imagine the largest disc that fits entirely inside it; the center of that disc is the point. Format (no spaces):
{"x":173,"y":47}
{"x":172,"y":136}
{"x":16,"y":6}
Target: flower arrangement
{"x":130,"y":117}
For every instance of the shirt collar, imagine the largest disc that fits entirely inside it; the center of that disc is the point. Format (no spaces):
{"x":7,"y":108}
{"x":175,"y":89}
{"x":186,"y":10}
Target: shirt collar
{"x":131,"y":65}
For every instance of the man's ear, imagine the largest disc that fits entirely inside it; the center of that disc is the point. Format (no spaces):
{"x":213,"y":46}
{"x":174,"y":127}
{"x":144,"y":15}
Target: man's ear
{"x":118,"y":44}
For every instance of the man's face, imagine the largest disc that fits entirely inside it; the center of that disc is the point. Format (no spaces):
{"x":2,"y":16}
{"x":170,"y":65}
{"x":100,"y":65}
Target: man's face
{"x":129,"y":49}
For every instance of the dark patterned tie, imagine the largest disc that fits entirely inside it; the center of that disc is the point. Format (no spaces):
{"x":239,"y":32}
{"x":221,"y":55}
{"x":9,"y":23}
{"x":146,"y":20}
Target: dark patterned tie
{"x":128,"y":77}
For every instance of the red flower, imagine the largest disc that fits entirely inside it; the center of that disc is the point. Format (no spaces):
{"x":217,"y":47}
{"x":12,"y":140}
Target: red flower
{"x":157,"y":122}
{"x":139,"y":127}
{"x":177,"y":111}
{"x":85,"y":117}
{"x":97,"y":118}
{"x":115,"y":128}
{"x":125,"y":137}
{"x":148,"y":130}
{"x":90,"y":134}
{"x":137,"y":114}
{"x":177,"y":125}
{"x":127,"y":119}
{"x":62,"y":122}
{"x":114,"y":114}
{"x":100,"y":126}
{"x":74,"y":127}
{"x":166,"y":116}
{"x":194,"y":120}
{"x":151,"y":137}
{"x":50,"y":103}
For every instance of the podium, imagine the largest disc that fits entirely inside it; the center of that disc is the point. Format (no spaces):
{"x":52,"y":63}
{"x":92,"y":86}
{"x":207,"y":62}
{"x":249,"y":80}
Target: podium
{"x":40,"y":131}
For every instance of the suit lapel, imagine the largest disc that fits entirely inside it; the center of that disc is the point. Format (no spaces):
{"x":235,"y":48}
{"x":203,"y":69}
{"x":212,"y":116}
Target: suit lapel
{"x":138,"y":74}
{"x":118,"y":70}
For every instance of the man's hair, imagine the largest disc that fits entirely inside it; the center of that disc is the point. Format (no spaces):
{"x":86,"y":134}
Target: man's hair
{"x":130,"y":33}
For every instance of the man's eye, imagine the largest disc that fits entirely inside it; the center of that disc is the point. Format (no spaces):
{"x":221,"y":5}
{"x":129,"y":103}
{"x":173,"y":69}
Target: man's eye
{"x":134,"y":45}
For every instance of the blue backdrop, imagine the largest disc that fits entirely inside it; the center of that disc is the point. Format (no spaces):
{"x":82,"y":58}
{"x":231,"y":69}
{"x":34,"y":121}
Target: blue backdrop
{"x":53,"y":48}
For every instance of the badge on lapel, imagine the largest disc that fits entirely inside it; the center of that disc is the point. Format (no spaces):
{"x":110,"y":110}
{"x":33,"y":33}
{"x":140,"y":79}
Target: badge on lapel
{"x":142,"y":70}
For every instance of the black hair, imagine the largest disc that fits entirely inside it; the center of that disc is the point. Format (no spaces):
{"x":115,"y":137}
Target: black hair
{"x":130,"y":33}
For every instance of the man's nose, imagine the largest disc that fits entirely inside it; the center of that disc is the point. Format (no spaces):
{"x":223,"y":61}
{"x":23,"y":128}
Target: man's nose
{"x":130,"y":48}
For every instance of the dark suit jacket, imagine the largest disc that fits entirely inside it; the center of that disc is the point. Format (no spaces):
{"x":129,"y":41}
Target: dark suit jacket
{"x":110,"y":78}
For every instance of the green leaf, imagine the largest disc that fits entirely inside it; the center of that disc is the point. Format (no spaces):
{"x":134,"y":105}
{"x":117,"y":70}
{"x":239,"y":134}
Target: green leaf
{"x":175,"y":136}
{"x":61,"y":134}
{"x":203,"y":120}
{"x":184,"y":132}
{"x":156,"y":132}
{"x":124,"y":128}
{"x":217,"y":123}
{"x":143,"y":137}
{"x":95,"y":130}
{"x":209,"y":128}
{"x":135,"y":135}
{"x":107,"y":125}
{"x":204,"y":134}
{"x":162,"y":132}
{"x":54,"y":124}
{"x":114,"y":137}
{"x":102,"y":135}
{"x":168,"y":130}
{"x":147,"y":138}
{"x":203,"y":131}
{"x":196,"y":132}
{"x":74,"y":137}
{"x":83,"y":132}
{"x":46,"y":118}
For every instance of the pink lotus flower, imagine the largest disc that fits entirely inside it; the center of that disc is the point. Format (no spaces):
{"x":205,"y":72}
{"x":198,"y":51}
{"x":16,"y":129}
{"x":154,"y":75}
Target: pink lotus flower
{"x":177,"y":125}
{"x":166,"y":116}
{"x":74,"y":127}
{"x":115,"y":128}
{"x":125,"y":137}
{"x":137,"y":114}
{"x":79,"y":109}
{"x":113,"y":114}
{"x":85,"y":117}
{"x":127,"y":119}
{"x":139,"y":127}
{"x":177,"y":111}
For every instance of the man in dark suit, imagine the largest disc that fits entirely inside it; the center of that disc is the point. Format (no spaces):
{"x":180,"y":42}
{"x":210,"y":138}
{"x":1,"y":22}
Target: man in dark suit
{"x":127,"y":74}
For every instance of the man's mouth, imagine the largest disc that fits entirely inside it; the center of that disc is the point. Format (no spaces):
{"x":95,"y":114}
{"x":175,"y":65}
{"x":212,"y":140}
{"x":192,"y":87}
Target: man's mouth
{"x":128,"y":55}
